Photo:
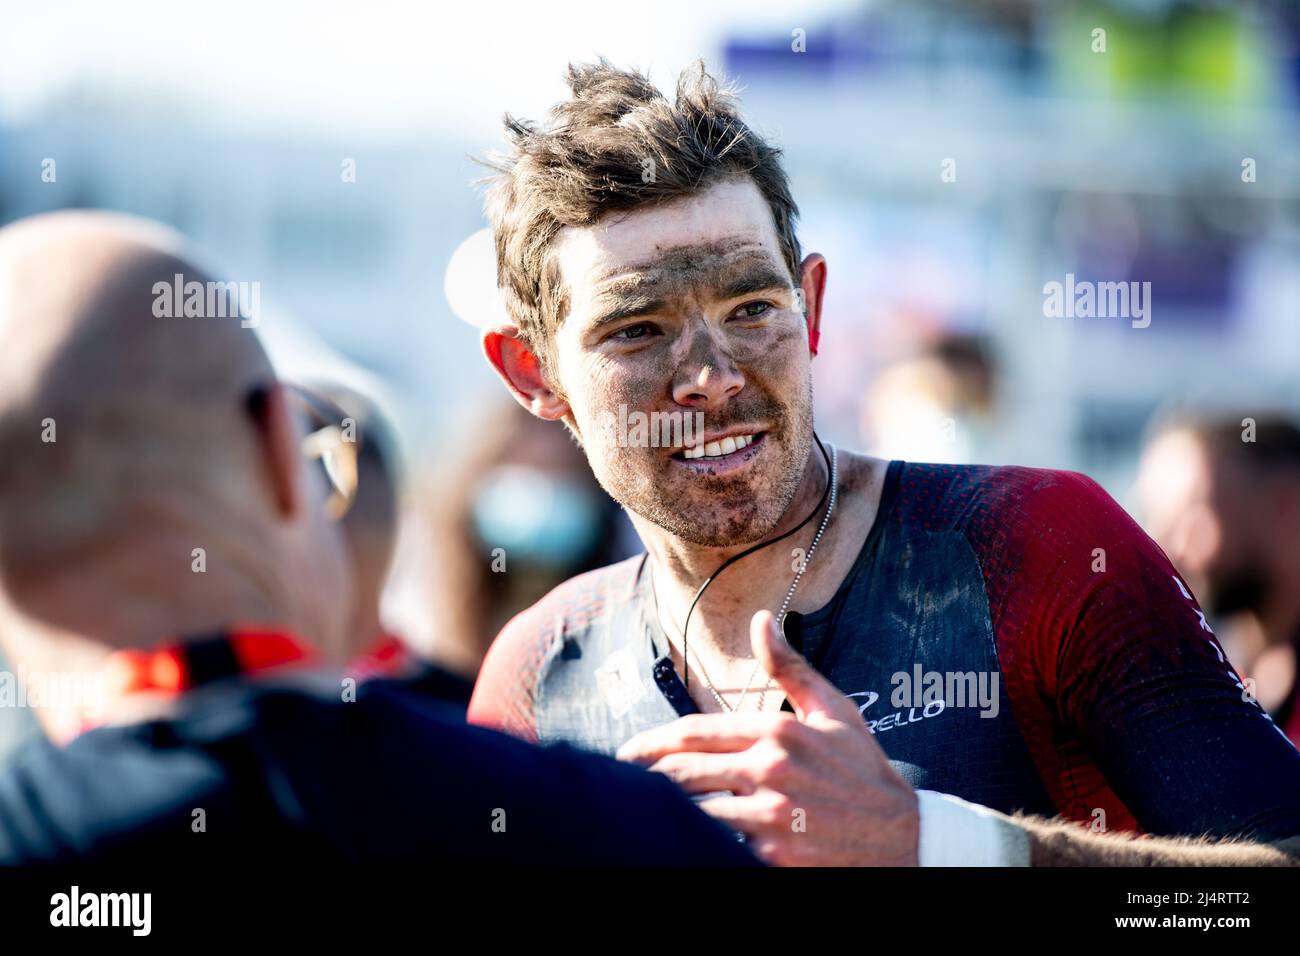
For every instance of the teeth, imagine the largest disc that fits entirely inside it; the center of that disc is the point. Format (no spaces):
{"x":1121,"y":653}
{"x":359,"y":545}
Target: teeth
{"x":716,"y":449}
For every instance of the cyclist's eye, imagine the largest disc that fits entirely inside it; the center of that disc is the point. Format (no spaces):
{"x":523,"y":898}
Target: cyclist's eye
{"x":753,"y":310}
{"x":638,"y":331}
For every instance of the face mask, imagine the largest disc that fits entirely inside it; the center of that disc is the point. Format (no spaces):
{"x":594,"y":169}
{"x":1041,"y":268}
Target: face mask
{"x":536,"y":517}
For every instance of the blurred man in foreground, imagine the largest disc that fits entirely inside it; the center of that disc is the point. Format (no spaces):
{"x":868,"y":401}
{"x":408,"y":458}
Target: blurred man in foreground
{"x":164,"y":541}
{"x":1005,"y":635}
{"x":1222,"y":497}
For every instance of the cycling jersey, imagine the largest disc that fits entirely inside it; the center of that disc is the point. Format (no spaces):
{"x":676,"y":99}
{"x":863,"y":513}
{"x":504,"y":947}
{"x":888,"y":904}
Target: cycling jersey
{"x":1010,"y":637}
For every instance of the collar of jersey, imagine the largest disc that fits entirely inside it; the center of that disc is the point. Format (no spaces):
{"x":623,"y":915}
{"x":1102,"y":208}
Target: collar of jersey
{"x":183,"y":665}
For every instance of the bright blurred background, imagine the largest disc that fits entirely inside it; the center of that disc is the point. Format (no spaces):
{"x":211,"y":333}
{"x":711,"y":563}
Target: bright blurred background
{"x":233,"y":122}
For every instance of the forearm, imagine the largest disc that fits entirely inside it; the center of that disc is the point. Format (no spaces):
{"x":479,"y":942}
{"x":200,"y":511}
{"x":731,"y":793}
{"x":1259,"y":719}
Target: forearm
{"x":954,"y":832}
{"x":1060,"y":843}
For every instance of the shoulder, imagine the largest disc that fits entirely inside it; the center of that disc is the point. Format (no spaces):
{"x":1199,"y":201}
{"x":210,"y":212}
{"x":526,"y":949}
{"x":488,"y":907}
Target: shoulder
{"x":84,"y":800}
{"x":1034,"y":527}
{"x":583,"y":599}
{"x":959,"y":494}
{"x":568,"y":609}
{"x":1000,"y":507}
{"x":506,"y":686}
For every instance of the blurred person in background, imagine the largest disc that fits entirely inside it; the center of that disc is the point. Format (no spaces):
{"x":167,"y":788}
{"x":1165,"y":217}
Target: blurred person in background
{"x":168,"y":540}
{"x":370,"y":524}
{"x":936,"y":406}
{"x":521,"y":514}
{"x":1221,"y":495}
{"x":370,"y":530}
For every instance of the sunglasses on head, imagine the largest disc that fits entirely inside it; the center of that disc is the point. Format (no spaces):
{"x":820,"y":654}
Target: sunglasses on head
{"x":331,"y":439}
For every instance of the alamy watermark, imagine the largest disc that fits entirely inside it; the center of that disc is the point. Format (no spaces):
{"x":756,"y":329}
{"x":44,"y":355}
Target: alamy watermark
{"x":209,"y":300}
{"x":920,"y":688}
{"x":637,"y":429}
{"x":130,"y":910}
{"x":920,"y":695}
{"x":1098,"y":300}
{"x":81,"y":690}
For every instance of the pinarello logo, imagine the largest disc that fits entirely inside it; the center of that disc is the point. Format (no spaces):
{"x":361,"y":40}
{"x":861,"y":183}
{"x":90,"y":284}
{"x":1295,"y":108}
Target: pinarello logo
{"x":871,"y":697}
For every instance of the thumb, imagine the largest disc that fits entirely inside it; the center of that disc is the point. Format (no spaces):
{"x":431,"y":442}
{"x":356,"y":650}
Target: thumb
{"x":809,"y":692}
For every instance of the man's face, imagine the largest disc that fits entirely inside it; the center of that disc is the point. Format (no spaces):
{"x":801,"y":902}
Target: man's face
{"x":682,"y":308}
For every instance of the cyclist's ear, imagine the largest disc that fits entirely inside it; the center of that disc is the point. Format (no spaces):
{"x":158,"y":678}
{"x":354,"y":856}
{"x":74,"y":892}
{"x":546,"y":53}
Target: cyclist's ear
{"x":812,"y":287}
{"x":521,"y":371}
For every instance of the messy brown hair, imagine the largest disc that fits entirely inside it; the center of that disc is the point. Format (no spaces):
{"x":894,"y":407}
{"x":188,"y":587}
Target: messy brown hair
{"x":617,"y":144}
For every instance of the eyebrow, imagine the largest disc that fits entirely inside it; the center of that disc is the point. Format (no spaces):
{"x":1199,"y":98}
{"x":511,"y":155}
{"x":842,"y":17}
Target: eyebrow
{"x":647,"y":292}
{"x":625,"y":306}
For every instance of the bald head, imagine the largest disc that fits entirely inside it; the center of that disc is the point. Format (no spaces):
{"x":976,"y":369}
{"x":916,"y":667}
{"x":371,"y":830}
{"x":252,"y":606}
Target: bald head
{"x":126,"y":435}
{"x":127,"y":403}
{"x":77,"y":294}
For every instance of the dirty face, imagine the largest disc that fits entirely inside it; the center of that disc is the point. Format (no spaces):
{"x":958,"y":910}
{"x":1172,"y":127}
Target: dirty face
{"x":681,"y":314}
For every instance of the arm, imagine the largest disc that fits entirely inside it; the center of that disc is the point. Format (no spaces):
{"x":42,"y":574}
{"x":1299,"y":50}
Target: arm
{"x":1128,"y":670}
{"x":956,"y":833}
{"x":1060,"y":843}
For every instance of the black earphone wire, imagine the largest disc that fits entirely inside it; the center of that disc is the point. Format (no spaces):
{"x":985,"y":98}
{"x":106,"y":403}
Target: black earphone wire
{"x":686,"y":665}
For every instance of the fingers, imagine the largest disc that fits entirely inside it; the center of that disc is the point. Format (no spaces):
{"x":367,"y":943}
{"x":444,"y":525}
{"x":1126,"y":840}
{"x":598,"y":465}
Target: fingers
{"x":808,"y":691}
{"x":740,"y":813}
{"x":700,"y":733}
{"x":704,"y":773}
{"x":752,"y":815}
{"x":759,"y":814}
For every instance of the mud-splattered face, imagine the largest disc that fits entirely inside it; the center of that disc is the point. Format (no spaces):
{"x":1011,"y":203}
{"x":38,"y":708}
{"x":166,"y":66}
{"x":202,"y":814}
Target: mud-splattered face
{"x":681,"y":309}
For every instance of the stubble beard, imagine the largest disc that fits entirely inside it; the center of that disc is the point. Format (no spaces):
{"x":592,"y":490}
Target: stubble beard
{"x":721,"y":511}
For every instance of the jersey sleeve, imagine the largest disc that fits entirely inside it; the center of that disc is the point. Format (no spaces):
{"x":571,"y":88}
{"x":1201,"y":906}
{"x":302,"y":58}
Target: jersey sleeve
{"x":505,"y":693}
{"x":1119,"y":650}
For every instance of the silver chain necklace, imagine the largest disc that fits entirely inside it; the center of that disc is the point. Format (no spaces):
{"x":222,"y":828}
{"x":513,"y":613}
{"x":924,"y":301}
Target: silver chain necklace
{"x":785,"y":604}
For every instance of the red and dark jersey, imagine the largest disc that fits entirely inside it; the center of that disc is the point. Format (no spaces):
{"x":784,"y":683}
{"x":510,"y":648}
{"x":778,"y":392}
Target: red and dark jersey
{"x":1010,"y":636}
